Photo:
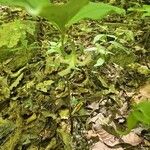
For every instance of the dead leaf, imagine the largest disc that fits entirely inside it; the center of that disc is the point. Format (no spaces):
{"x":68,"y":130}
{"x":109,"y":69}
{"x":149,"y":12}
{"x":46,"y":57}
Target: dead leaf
{"x":145,"y":90}
{"x":107,"y":138}
{"x":101,"y":146}
{"x":99,"y":119}
{"x":31,"y":118}
{"x":123,"y":110}
{"x":16,"y":82}
{"x":91,"y":134}
{"x":44,"y":86}
{"x":64,"y":113}
{"x":94,"y":106}
{"x":132,"y":139}
{"x":144,"y":93}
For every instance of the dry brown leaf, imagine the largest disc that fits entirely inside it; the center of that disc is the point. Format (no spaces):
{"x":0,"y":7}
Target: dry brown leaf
{"x":123,"y":110}
{"x":147,"y":143}
{"x":145,"y":90}
{"x":99,"y":119}
{"x":143,"y":93}
{"x":107,"y":138}
{"x":91,"y":134}
{"x":94,"y":106}
{"x":101,"y":146}
{"x":104,"y":136}
{"x":132,"y":139}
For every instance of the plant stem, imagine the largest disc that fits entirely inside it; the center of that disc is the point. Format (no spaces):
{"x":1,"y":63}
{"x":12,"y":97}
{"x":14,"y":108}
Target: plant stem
{"x":63,"y":34}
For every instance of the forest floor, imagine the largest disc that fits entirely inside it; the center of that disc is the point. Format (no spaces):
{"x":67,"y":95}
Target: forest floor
{"x":47,"y":104}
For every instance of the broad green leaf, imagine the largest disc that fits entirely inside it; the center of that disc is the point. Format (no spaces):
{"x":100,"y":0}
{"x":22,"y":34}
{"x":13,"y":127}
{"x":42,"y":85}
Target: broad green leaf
{"x":132,"y":120}
{"x":95,"y":11}
{"x":146,"y":10}
{"x":62,"y":14}
{"x":32,"y":6}
{"x":57,"y":14}
{"x":131,"y":123}
{"x":140,"y":113}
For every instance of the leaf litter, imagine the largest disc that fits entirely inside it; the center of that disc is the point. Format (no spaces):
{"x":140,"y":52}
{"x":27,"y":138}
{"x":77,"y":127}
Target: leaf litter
{"x":36,"y":102}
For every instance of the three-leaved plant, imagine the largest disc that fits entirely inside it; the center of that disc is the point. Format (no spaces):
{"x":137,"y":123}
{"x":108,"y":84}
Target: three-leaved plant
{"x":62,"y":16}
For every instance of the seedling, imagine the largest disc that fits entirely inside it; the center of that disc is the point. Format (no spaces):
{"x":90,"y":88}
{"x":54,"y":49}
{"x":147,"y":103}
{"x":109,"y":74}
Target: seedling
{"x":64,"y":15}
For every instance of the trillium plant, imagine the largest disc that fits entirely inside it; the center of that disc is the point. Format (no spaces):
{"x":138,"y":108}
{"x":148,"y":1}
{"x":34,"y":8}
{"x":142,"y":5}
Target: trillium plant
{"x":62,"y":16}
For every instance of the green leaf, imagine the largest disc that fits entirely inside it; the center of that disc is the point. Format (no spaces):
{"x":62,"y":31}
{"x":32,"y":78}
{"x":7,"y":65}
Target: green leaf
{"x":140,"y":113}
{"x":64,"y":113}
{"x":99,"y":62}
{"x":65,"y":15}
{"x":4,"y":89}
{"x":52,"y":144}
{"x":62,"y":14}
{"x":95,"y":11}
{"x":33,"y":7}
{"x":145,"y":9}
{"x":131,"y":123}
{"x":71,"y":60}
{"x":56,"y":14}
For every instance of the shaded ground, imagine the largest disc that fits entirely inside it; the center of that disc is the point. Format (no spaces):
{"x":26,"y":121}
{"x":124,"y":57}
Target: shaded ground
{"x":44,"y":105}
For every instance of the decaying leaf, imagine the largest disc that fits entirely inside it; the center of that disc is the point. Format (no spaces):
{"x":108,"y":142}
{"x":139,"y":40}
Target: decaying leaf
{"x":52,"y":144}
{"x":91,"y":134}
{"x":64,"y":113}
{"x":19,"y":29}
{"x":17,"y":81}
{"x":66,"y":138}
{"x":144,"y":93}
{"x":132,"y":139}
{"x":101,"y":146}
{"x":145,"y":90}
{"x":44,"y":86}
{"x":107,"y":138}
{"x":6,"y":127}
{"x":31,"y":118}
{"x":98,"y":120}
{"x":4,"y":89}
{"x":94,"y":106}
